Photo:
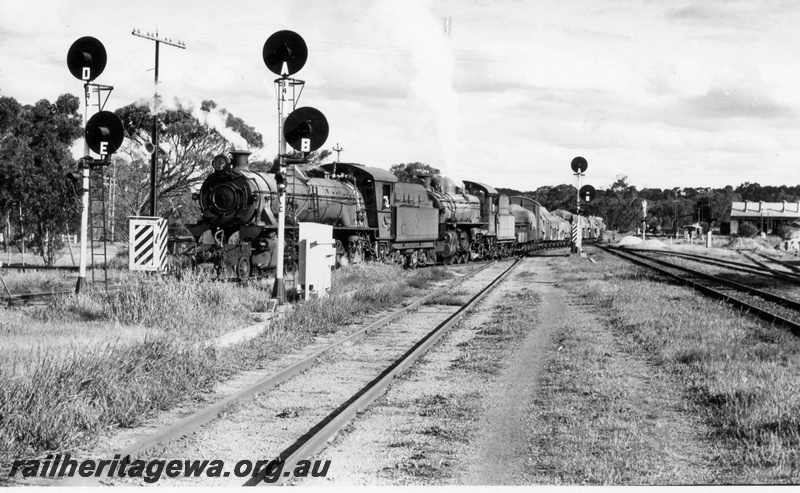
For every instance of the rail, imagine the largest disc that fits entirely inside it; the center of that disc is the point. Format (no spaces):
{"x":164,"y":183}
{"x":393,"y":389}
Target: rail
{"x":762,"y":313}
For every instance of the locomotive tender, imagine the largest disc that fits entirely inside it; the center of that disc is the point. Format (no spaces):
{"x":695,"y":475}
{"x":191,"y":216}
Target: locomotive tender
{"x":374,"y":216}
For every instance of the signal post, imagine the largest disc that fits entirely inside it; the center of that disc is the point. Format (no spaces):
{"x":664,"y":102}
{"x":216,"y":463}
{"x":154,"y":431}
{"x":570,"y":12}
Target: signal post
{"x":305,"y":129}
{"x":86,"y":60}
{"x":587,"y":192}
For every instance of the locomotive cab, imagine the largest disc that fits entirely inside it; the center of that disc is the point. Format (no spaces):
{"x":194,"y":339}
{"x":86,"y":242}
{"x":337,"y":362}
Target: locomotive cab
{"x":377,"y":188}
{"x":405,"y":221}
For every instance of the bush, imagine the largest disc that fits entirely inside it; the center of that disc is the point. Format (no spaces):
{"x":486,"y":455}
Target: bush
{"x":747,"y":229}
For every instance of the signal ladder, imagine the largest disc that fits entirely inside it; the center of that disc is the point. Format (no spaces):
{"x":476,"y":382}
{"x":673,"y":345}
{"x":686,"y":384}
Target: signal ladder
{"x":98,"y":220}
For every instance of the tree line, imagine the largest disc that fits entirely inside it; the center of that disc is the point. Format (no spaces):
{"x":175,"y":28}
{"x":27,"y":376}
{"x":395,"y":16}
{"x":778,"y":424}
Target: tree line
{"x":621,"y":204}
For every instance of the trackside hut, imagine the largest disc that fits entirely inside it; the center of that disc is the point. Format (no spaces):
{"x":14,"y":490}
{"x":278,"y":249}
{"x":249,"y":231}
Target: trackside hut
{"x":767,"y":216}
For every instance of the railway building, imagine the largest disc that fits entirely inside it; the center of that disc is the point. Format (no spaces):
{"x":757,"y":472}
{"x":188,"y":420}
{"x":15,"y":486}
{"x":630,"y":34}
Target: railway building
{"x":768,"y":217}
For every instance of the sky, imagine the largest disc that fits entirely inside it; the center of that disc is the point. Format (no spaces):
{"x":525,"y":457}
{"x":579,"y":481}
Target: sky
{"x":503,"y":92}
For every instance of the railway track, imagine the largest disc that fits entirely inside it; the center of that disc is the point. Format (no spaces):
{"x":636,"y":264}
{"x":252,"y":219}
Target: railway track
{"x":750,"y":268}
{"x":30,"y":299}
{"x":765,"y":305}
{"x":27,"y":267}
{"x":376,"y":354}
{"x":765,"y":261}
{"x":44,"y":297}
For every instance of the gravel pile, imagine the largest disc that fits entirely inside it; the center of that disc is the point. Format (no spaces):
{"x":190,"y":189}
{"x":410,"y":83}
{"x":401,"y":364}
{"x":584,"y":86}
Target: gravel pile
{"x":743,"y":244}
{"x":629,"y":240}
{"x":654,"y":244}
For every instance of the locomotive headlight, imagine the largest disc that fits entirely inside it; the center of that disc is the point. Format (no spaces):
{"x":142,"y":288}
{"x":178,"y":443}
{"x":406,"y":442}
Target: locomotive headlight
{"x":220,"y":162}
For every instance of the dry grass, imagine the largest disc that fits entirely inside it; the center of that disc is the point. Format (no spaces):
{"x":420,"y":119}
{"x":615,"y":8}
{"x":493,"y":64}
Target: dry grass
{"x":739,"y":376}
{"x":456,"y":297}
{"x":191,"y":309}
{"x":36,"y":281}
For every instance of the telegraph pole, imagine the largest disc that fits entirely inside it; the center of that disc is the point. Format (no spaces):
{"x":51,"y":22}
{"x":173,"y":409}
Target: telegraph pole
{"x":154,"y":157}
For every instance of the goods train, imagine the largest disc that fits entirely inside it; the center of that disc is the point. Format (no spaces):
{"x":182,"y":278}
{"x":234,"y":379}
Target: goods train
{"x":374,"y":216}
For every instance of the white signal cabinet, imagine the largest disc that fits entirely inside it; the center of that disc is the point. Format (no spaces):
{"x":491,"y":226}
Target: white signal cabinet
{"x":317,"y":258}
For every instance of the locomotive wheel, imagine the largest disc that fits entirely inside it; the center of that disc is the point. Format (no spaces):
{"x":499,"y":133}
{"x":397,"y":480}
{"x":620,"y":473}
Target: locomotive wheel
{"x":243,"y":268}
{"x":381,"y":253}
{"x":356,"y":255}
{"x":396,"y":258}
{"x":341,"y":257}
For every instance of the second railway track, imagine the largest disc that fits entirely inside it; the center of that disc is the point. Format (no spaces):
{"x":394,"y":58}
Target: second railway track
{"x":763,"y":304}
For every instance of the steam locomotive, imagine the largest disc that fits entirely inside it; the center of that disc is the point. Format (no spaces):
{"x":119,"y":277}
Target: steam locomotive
{"x":374,"y":217}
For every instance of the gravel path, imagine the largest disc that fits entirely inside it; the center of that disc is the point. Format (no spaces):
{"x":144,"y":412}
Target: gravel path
{"x":458,"y":416}
{"x":500,"y":450}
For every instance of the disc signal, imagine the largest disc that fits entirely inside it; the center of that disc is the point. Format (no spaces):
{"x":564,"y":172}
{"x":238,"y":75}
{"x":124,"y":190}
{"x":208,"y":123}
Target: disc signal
{"x":306,"y":129}
{"x":587,"y":193}
{"x":285,"y":47}
{"x":86,"y":58}
{"x":104,"y":133}
{"x":579,"y":165}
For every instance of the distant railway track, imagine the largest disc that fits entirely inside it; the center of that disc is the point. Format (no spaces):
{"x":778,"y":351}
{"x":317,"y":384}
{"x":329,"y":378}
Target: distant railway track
{"x":765,"y":260}
{"x":761,"y":270}
{"x":11,"y":299}
{"x":308,"y":442}
{"x":40,"y":298}
{"x":26,"y":267}
{"x":765,"y":305}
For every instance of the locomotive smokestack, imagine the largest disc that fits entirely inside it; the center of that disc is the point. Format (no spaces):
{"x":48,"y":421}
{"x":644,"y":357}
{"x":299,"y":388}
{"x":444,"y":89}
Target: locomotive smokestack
{"x":239,"y":160}
{"x":425,"y":180}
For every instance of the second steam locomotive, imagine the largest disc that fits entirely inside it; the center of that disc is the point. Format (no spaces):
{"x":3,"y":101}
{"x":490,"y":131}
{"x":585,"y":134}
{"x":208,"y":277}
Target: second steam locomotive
{"x":374,"y":216}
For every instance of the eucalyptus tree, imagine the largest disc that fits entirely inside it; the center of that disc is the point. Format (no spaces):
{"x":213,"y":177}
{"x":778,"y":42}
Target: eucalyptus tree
{"x":35,"y":156}
{"x":408,"y":172}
